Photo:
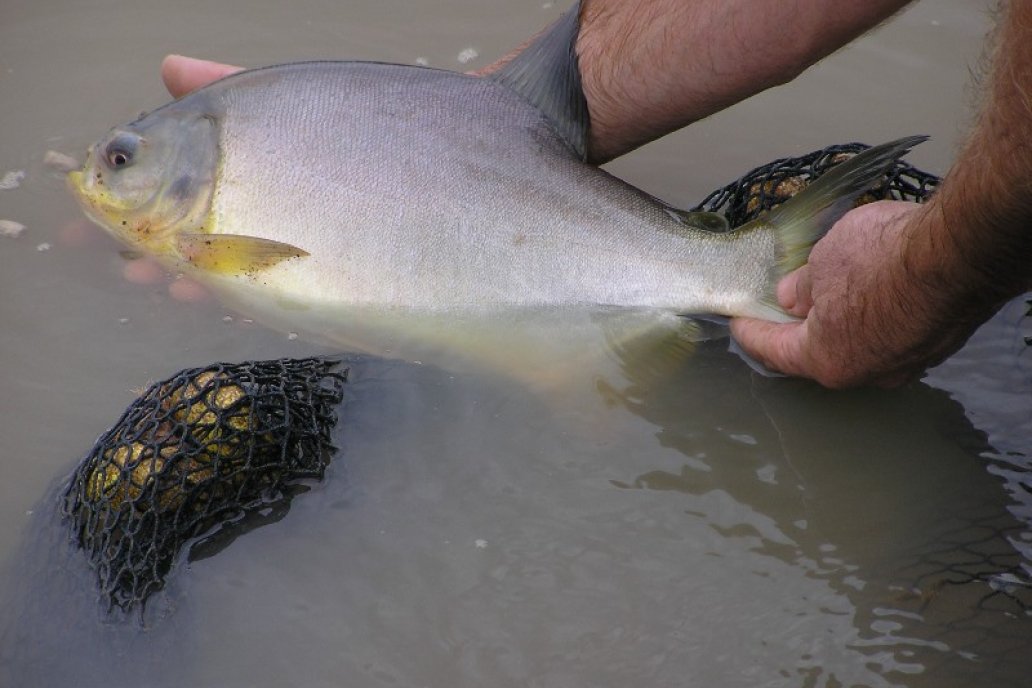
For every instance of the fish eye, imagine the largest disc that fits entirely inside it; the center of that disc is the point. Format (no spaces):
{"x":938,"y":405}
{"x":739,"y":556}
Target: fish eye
{"x":120,"y":152}
{"x":118,"y":158}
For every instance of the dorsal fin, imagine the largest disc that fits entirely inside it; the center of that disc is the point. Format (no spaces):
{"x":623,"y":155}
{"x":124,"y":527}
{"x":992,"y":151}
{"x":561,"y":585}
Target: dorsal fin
{"x":546,"y":75}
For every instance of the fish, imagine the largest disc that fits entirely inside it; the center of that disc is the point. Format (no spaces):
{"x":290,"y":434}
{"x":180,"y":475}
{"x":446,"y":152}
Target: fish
{"x":412,"y":204}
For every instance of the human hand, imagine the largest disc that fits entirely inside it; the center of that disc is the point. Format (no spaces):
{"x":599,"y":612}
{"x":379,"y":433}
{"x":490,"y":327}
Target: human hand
{"x":869,"y":318}
{"x":185,"y":74}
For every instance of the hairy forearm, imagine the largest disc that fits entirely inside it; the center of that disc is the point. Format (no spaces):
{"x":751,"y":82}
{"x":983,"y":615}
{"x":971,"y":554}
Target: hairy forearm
{"x":649,"y":67}
{"x":973,"y":243}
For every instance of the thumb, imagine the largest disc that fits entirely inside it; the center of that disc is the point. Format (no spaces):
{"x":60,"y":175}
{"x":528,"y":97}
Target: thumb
{"x":778,"y":346}
{"x":794,"y":292}
{"x":184,"y":74}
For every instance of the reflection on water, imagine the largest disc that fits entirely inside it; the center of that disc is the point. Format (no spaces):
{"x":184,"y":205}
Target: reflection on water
{"x":701,"y":526}
{"x":888,"y":503}
{"x":470,"y":532}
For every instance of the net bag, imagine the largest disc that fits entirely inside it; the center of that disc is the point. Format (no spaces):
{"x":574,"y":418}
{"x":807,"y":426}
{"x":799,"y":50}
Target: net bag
{"x":197,"y":450}
{"x":769,"y":185}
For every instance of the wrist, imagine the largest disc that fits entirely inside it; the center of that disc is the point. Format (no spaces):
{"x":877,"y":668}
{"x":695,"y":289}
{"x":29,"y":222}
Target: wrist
{"x":949,"y":288}
{"x":977,"y":229}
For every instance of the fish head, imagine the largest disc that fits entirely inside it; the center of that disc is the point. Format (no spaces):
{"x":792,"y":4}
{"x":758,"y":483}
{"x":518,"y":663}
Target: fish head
{"x":152,"y":179}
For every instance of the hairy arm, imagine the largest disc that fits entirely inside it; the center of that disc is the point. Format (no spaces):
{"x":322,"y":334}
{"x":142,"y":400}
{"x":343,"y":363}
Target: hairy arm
{"x":652,"y":66}
{"x":649,"y":67}
{"x":895,"y":288}
{"x":984,"y":209}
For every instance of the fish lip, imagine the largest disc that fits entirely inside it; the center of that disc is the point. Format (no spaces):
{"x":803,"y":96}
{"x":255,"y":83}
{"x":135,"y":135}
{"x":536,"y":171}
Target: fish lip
{"x":76,"y":181}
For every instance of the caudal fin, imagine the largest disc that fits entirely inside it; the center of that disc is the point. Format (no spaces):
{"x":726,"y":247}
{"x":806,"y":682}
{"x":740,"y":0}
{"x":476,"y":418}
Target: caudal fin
{"x":803,"y":219}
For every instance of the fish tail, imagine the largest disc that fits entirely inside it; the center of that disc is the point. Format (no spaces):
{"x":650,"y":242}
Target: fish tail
{"x":803,"y":219}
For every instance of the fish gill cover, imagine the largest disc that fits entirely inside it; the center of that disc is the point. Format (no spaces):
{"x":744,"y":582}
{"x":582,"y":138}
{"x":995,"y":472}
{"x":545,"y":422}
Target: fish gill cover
{"x":193,"y":452}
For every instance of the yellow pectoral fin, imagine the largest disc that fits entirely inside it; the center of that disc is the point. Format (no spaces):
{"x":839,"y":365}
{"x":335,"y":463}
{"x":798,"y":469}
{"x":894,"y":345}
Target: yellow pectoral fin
{"x":234,"y":254}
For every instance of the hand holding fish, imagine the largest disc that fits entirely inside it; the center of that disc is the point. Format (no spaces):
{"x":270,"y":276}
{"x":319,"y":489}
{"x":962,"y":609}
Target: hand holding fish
{"x":893,"y":288}
{"x":869,"y":232}
{"x":868,"y":317}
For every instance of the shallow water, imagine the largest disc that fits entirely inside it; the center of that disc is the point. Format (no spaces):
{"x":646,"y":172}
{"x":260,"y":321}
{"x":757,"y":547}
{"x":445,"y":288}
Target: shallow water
{"x":718,"y":529}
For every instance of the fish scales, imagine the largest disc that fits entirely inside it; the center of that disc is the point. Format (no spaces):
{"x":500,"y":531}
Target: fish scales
{"x":432,"y":190}
{"x":409,"y":210}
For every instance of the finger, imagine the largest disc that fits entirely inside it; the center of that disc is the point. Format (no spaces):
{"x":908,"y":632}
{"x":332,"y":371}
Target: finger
{"x":143,"y":271}
{"x":778,"y":346}
{"x":795,"y":292}
{"x":188,"y":291}
{"x":787,"y":290}
{"x":184,"y":74}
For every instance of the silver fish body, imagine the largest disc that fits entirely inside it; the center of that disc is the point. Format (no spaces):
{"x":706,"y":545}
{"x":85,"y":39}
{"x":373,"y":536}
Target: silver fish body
{"x":423,"y":189}
{"x":400,"y":197}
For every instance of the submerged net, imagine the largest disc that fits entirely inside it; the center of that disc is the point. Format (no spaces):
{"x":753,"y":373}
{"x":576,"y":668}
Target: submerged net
{"x":195,"y":451}
{"x":769,"y":185}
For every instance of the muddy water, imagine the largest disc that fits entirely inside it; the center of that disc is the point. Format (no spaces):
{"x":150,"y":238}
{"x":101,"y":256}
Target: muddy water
{"x":716,"y":529}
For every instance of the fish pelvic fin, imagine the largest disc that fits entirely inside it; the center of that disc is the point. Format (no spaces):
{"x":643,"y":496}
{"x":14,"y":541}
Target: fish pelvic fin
{"x":546,"y":75}
{"x":649,"y":346}
{"x":234,"y":254}
{"x":803,"y":219}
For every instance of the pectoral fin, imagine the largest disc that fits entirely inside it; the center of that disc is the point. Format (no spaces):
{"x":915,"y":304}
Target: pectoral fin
{"x":234,"y":254}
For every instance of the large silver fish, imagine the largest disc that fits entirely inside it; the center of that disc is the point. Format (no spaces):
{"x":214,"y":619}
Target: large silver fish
{"x":411,"y":204}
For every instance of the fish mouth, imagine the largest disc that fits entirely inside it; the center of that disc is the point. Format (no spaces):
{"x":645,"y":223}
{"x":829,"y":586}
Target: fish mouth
{"x":74,"y":181}
{"x":78,"y":182}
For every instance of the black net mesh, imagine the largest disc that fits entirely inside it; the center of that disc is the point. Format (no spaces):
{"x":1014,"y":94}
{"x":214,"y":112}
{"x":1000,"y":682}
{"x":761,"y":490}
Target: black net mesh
{"x":769,"y":185}
{"x":977,"y":548}
{"x":195,"y":451}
